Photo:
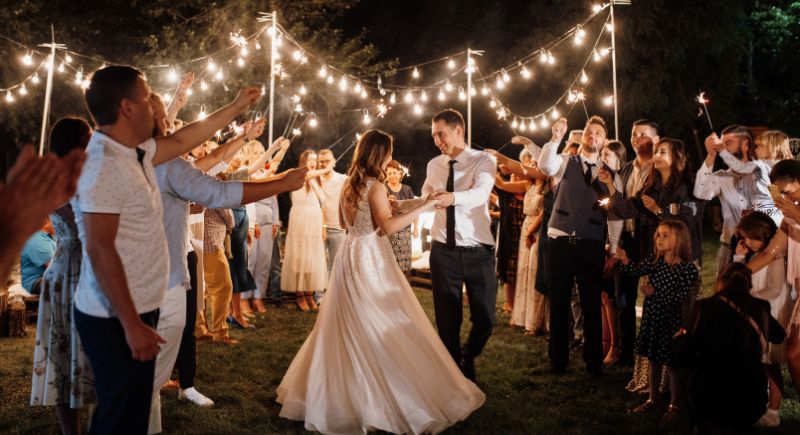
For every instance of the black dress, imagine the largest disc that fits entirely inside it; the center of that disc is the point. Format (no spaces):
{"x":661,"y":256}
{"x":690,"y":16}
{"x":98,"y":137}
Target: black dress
{"x":401,"y":240}
{"x":662,"y":315}
{"x":511,"y":218}
{"x":722,"y":352}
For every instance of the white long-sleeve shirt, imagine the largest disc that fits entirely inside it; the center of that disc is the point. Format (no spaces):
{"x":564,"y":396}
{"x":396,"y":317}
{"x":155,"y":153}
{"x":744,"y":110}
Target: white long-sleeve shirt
{"x":553,"y":165}
{"x":474,"y":173}
{"x":734,"y":194}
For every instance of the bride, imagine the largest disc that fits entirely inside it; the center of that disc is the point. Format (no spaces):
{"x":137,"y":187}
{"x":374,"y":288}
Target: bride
{"x":373,"y":360}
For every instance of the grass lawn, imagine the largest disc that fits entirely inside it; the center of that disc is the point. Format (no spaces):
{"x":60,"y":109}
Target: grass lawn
{"x":522,"y":397}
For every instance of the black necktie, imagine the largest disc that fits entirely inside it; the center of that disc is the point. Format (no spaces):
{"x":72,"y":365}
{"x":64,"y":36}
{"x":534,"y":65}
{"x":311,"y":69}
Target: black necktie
{"x":451,"y":211}
{"x":587,"y":176}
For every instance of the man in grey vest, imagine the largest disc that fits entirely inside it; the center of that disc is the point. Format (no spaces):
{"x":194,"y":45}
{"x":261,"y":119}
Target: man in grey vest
{"x":576,"y":247}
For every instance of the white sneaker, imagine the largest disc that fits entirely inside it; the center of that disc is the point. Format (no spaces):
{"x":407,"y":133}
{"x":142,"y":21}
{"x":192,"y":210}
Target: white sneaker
{"x":771,"y":418}
{"x":195,"y":397}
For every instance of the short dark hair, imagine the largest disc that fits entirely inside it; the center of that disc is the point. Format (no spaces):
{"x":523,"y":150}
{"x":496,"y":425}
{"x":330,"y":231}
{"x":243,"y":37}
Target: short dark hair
{"x":740,"y":130}
{"x":594,"y":119}
{"x":108,"y":87}
{"x":785,"y":170}
{"x":647,"y":122}
{"x":619,"y":149}
{"x":69,"y":133}
{"x":451,"y":117}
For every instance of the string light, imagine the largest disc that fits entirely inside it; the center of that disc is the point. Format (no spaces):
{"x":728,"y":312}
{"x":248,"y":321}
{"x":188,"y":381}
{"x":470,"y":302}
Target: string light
{"x":203,"y":85}
{"x":364,"y":94}
{"x":423,"y":96}
{"x":202,"y":115}
{"x":533,"y":126}
{"x":500,"y":84}
{"x":543,"y":56}
{"x":554,"y":114}
{"x":441,"y":95}
{"x":596,"y":56}
{"x":211,"y":67}
{"x":579,"y":34}
{"x":514,"y":124}
{"x":525,"y":72}
{"x":23,"y":90}
{"x":522,"y":126}
{"x":9,"y":97}
{"x":461,"y":94}
{"x":329,"y":80}
{"x":493,"y":104}
{"x":596,"y":8}
{"x":240,"y":62}
{"x":258,"y":46}
{"x":313,"y":121}
{"x":550,"y":58}
{"x":584,"y":77}
{"x":296,"y":132}
{"x":409,"y":97}
{"x":609,"y":27}
{"x":218,"y":75}
{"x":451,"y":64}
{"x":357,"y":88}
{"x":367,"y":120}
{"x":302,"y":90}
{"x":393,"y":99}
{"x":244,"y":51}
{"x":61,"y":67}
{"x":609,"y":100}
{"x":545,"y":123}
{"x":485,"y":90}
{"x":506,"y":77}
{"x":297,"y":55}
{"x":172,"y":76}
{"x":323,"y":72}
{"x":415,"y":73}
{"x":27,"y":59}
{"x":189,"y":92}
{"x":35,"y":79}
{"x":382,"y":109}
{"x":68,"y":59}
{"x":448,"y":87}
{"x":417,"y":109}
{"x":343,"y":84}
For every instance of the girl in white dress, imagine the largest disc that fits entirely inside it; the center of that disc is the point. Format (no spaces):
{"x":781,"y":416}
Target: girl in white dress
{"x":373,"y":360}
{"x":304,"y":267}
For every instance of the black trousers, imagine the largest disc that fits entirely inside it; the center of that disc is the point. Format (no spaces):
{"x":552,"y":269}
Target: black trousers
{"x":628,"y":288}
{"x":475,"y":269}
{"x":577,"y":261}
{"x":124,"y":386}
{"x":186,"y":363}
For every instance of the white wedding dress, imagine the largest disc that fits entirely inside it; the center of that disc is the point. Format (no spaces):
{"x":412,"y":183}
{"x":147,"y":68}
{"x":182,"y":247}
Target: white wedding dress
{"x":373,"y":360}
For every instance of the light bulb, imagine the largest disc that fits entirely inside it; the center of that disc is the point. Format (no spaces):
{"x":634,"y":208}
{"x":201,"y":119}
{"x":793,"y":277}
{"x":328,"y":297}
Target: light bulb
{"x":393,"y":99}
{"x":441,"y":95}
{"x":296,"y":132}
{"x":609,"y":27}
{"x":189,"y":92}
{"x":172,"y":76}
{"x":451,"y":64}
{"x":61,"y":67}
{"x":514,"y":123}
{"x":329,"y":80}
{"x":202,"y":115}
{"x":550,"y":58}
{"x":609,"y":100}
{"x":298,"y":108}
{"x":543,"y":56}
{"x":323,"y":72}
{"x":448,"y":86}
{"x":493,"y":104}
{"x":218,"y":75}
{"x":367,"y":119}
{"x":35,"y":79}
{"x":312,"y":122}
{"x":297,"y":55}
{"x":302,"y":90}
{"x":203,"y":85}
{"x":23,"y":90}
{"x":258,"y":46}
{"x":417,"y":109}
{"x":596,"y":8}
{"x":506,"y":77}
{"x":525,"y":72}
{"x":415,"y":73}
{"x":501,"y":114}
{"x":343,"y":84}
{"x":604,"y":52}
{"x":554,"y":114}
{"x":27,"y":59}
{"x":499,"y":83}
{"x":68,"y":58}
{"x":533,"y":126}
{"x":9,"y":97}
{"x":423,"y":96}
{"x":522,"y":126}
{"x":596,"y":56}
{"x":584,"y":77}
{"x":364,"y":94}
{"x":409,"y":97}
{"x":244,"y":51}
{"x":545,"y":123}
{"x":211,"y":66}
{"x":579,"y":35}
{"x":461,"y":94}
{"x":240,"y":62}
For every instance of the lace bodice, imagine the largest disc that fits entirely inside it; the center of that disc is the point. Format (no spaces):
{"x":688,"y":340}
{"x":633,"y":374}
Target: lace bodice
{"x":363,"y":218}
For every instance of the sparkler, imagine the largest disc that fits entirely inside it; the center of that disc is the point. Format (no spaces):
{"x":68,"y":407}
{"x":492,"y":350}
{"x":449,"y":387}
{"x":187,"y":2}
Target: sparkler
{"x":704,"y":101}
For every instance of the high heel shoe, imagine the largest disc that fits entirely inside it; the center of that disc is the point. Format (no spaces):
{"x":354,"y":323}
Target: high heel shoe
{"x":301,"y":302}
{"x":613,"y":355}
{"x":312,"y":304}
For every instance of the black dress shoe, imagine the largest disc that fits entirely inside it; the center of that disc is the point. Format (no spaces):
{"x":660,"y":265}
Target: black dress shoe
{"x":468,"y":368}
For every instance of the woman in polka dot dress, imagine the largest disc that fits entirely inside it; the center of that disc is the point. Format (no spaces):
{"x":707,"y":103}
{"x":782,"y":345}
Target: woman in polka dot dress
{"x":672,"y":283}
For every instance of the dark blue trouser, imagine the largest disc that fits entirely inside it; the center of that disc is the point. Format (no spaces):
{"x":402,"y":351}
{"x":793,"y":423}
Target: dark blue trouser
{"x":124,"y":386}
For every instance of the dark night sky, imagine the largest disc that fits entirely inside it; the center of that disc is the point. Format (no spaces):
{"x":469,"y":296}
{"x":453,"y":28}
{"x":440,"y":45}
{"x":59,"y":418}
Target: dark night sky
{"x":415,"y":31}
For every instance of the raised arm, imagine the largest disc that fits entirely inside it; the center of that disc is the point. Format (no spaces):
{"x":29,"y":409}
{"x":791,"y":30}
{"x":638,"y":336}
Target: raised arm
{"x":550,"y":162}
{"x":259,"y":163}
{"x":180,"y":97}
{"x":194,"y":134}
{"x":228,"y":150}
{"x":706,"y":183}
{"x":511,"y":186}
{"x":775,"y":249}
{"x":737,"y":165}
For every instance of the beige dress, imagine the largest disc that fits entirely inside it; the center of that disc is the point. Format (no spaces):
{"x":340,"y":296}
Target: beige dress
{"x":531,"y":307}
{"x":304,"y":265}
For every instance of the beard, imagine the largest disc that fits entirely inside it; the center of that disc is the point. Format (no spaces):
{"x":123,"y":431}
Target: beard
{"x":590,"y":148}
{"x":645,"y":151}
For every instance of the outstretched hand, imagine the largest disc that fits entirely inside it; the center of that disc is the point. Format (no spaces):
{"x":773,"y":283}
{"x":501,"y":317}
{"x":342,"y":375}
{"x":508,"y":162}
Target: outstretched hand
{"x":559,"y":129}
{"x":445,"y":199}
{"x":247,"y":98}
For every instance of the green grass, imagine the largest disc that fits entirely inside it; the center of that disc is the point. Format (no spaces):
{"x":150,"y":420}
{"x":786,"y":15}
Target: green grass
{"x":522,"y":397}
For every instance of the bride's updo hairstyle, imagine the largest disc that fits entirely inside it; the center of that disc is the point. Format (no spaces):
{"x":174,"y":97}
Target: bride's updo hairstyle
{"x":372,"y":150}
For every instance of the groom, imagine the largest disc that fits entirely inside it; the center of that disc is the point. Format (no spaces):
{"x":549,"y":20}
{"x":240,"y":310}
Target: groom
{"x":463,"y":247}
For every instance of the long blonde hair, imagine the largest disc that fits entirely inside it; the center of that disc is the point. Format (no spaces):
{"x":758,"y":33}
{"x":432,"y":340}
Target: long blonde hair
{"x":777,"y":142}
{"x":372,"y":149}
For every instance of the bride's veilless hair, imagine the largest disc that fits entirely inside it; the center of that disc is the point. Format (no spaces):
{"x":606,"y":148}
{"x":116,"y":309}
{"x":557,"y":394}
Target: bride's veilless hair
{"x":371,"y":151}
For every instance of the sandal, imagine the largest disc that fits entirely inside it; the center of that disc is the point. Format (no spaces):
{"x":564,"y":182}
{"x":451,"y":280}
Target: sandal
{"x":647,"y":406}
{"x":613,"y":355}
{"x":301,"y":302}
{"x":672,"y":415}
